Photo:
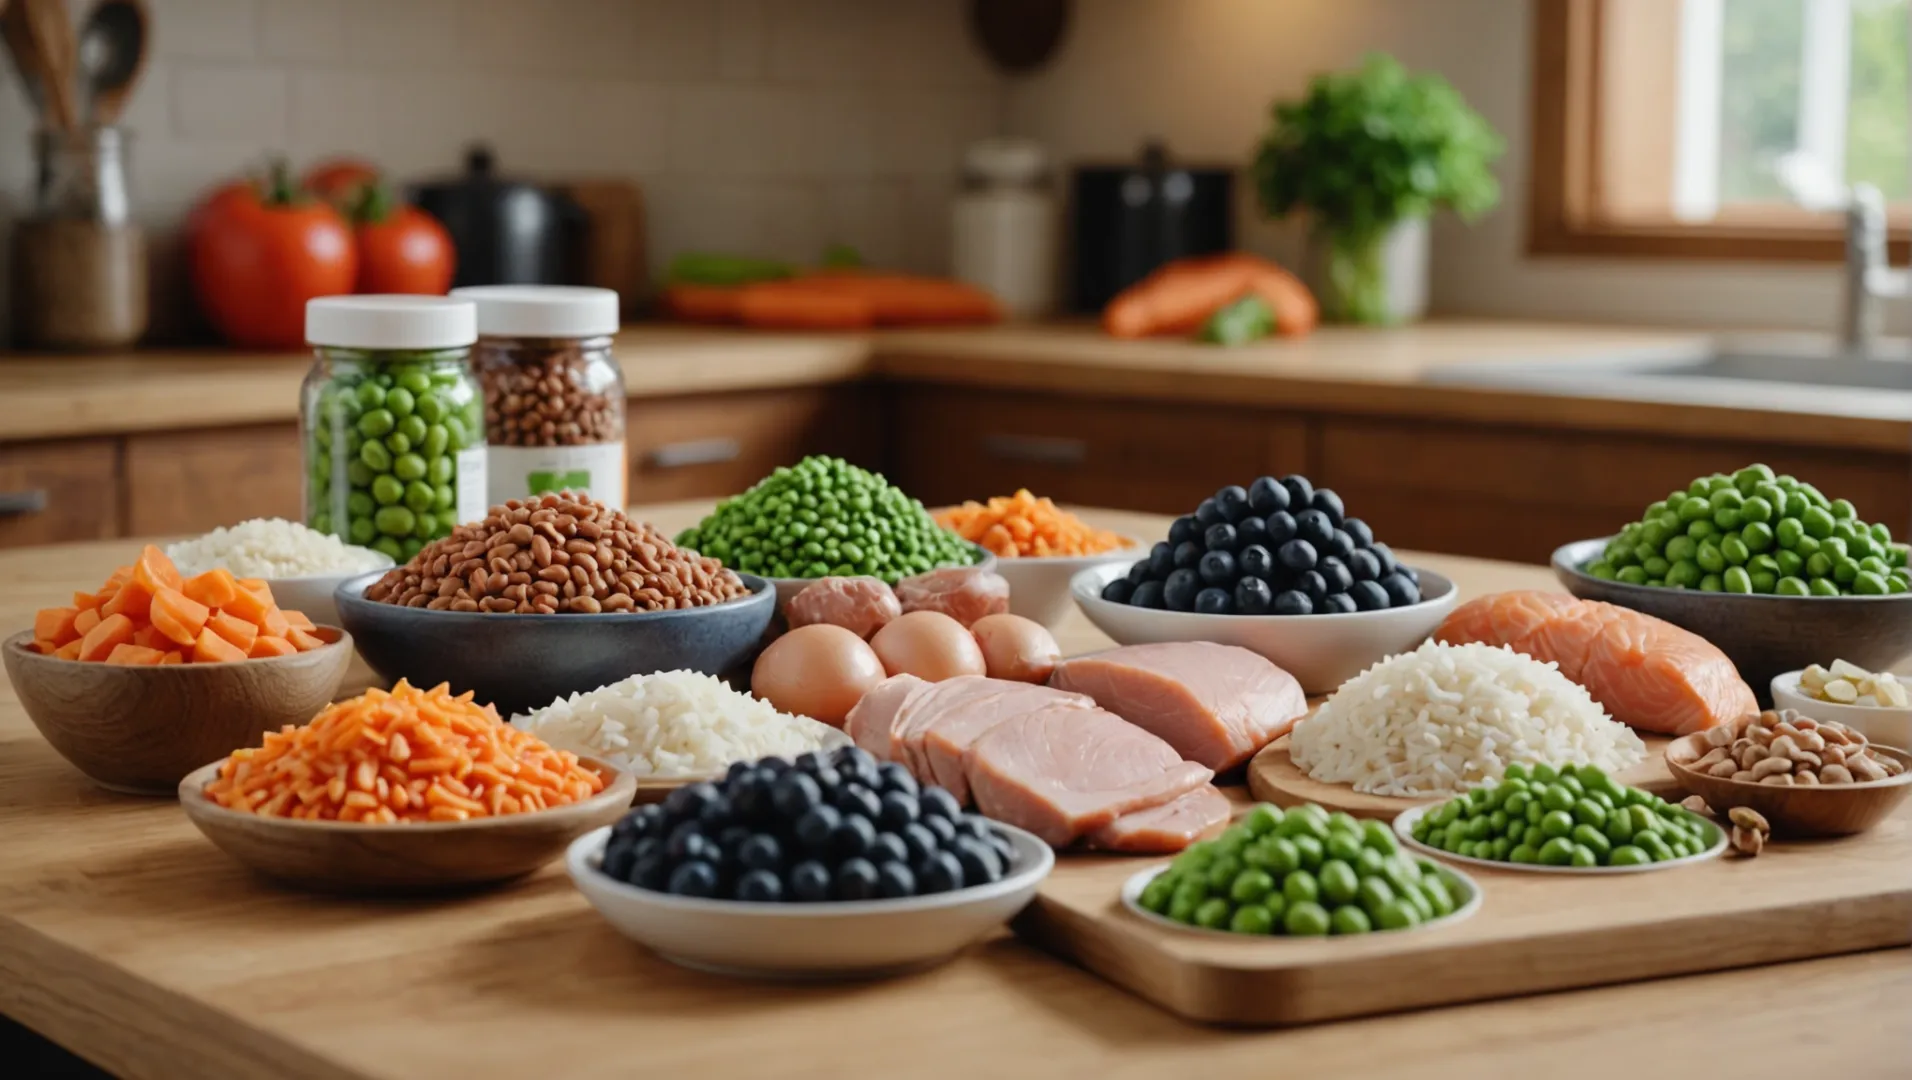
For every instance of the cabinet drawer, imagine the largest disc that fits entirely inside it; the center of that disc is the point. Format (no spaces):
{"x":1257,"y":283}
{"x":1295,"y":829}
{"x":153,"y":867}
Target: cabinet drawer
{"x":970,"y":444}
{"x":55,"y":492}
{"x":718,"y":445}
{"x":191,"y":481}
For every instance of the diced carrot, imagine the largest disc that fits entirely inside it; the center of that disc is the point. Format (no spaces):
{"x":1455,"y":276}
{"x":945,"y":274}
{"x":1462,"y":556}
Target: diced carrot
{"x":267,"y":645}
{"x":215,"y":588}
{"x":133,"y":600}
{"x":303,"y":641}
{"x":117,"y":578}
{"x":155,"y":571}
{"x":234,"y":629}
{"x":298,"y":619}
{"x":44,"y":647}
{"x":150,"y":637}
{"x":55,"y":624}
{"x":210,"y":648}
{"x":274,"y":622}
{"x":133,"y":654}
{"x":99,"y":641}
{"x":248,"y":605}
{"x":172,"y":656}
{"x":70,"y":650}
{"x":178,"y":617}
{"x":258,"y":587}
{"x":85,"y":600}
{"x":86,"y":620}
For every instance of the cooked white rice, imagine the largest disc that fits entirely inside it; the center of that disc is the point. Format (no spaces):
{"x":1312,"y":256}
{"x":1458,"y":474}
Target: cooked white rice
{"x":272,"y":548}
{"x":675,"y":723}
{"x":1446,"y":718}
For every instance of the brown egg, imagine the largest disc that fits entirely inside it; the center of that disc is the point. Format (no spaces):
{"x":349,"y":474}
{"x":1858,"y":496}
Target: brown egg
{"x":819,"y":671}
{"x":1016,"y":648}
{"x":929,"y":645}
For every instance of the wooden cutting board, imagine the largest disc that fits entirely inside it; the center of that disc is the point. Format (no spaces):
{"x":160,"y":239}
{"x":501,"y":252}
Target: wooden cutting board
{"x":1534,"y":933}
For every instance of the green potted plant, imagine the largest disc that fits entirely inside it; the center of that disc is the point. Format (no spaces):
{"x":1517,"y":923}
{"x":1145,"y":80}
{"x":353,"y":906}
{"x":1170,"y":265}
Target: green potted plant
{"x":1370,"y":153}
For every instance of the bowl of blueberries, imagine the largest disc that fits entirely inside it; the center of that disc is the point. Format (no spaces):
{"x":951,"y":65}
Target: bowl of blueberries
{"x":1277,"y":567}
{"x":829,"y":866}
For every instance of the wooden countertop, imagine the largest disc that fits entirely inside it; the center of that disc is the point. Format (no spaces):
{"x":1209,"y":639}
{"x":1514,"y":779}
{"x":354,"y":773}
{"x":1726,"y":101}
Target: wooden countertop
{"x":1338,"y":369}
{"x":125,"y":935}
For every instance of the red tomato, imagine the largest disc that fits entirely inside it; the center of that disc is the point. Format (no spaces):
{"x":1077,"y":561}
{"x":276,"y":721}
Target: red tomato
{"x":340,"y":181}
{"x":258,"y":253}
{"x":404,"y":251}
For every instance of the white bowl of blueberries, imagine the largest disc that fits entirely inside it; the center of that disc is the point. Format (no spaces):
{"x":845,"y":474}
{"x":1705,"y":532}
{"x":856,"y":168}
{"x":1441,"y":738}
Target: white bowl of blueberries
{"x":1277,"y":567}
{"x":831,"y":866}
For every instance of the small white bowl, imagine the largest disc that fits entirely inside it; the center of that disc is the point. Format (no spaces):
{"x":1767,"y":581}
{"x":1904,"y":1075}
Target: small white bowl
{"x":1320,"y":651}
{"x":1881,"y":724}
{"x":848,"y":939}
{"x":1039,"y":585}
{"x":313,"y":594}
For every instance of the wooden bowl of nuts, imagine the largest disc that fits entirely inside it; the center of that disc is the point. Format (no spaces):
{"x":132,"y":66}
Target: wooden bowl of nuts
{"x":1804,"y":776}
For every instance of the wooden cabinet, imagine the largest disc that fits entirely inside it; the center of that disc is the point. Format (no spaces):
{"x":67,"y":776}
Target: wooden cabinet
{"x":60,"y":491}
{"x":182,"y":482}
{"x":716,"y":445}
{"x":953,"y":444}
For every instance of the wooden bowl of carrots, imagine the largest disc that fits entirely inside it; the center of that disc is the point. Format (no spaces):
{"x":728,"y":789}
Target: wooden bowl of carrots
{"x":153,"y":675}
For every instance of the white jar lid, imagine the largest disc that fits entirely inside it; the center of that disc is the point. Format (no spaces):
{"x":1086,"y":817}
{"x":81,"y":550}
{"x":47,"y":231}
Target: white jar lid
{"x":543,"y":311}
{"x":390,"y":322}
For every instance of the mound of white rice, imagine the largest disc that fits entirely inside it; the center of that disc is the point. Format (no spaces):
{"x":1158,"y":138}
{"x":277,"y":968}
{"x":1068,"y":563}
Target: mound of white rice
{"x":1446,"y":718}
{"x":272,"y":548}
{"x":675,"y":723}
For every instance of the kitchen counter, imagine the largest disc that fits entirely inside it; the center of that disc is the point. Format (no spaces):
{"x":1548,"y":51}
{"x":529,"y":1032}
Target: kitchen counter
{"x":1338,"y":369}
{"x":125,"y":934}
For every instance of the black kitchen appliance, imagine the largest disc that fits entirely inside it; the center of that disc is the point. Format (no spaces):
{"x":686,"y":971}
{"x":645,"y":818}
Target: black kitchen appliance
{"x":506,"y":232}
{"x":1126,"y":220}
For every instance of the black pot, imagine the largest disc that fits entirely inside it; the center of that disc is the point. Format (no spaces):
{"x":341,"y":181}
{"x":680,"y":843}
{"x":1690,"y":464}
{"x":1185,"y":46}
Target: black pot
{"x":506,"y":232}
{"x":1129,"y":219}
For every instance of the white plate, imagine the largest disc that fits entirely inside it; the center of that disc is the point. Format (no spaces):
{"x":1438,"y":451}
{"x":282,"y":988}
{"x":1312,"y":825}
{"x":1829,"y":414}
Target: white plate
{"x":846,"y":939}
{"x":1132,"y":899}
{"x":1320,"y":651}
{"x":1404,"y":829}
{"x":1882,"y":724}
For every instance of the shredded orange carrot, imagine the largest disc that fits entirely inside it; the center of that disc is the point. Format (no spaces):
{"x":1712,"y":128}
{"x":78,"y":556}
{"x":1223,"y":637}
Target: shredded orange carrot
{"x":360,"y":760}
{"x":1022,"y":525}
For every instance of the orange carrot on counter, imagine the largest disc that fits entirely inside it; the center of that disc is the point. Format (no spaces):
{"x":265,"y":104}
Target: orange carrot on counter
{"x":1178,"y":297}
{"x":803,"y":304}
{"x":836,"y":300}
{"x":702,"y":303}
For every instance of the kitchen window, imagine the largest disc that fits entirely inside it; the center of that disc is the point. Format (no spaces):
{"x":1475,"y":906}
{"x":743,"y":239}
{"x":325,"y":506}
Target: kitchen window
{"x":1717,"y":128}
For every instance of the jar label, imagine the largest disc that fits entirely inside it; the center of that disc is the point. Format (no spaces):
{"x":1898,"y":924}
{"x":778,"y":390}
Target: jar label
{"x":472,"y":488}
{"x":523,"y":472}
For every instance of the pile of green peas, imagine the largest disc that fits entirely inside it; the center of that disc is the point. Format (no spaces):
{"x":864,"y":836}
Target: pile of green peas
{"x":1566,"y":816}
{"x":825,"y":517}
{"x":1302,"y":872}
{"x":385,"y":430}
{"x":1753,"y":532}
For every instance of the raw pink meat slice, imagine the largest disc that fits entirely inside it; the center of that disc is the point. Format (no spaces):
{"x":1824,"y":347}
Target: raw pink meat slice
{"x":1064,"y":771}
{"x":964,"y":593}
{"x":906,"y":735}
{"x":871,"y":719}
{"x":861,"y":605}
{"x":949,"y":733}
{"x":1166,"y":829}
{"x":1217,"y":704}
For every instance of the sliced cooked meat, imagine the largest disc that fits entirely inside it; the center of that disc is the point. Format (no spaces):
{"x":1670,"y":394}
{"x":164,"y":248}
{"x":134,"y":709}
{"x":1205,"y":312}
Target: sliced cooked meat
{"x":870,"y":722}
{"x":958,"y":723}
{"x":1065,"y":771}
{"x":1168,"y":828}
{"x":1216,"y":704}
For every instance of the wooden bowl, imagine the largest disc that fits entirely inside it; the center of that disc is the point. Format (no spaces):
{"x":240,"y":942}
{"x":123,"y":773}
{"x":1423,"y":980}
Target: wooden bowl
{"x":343,"y":857}
{"x":1813,"y":810}
{"x":139,"y":729}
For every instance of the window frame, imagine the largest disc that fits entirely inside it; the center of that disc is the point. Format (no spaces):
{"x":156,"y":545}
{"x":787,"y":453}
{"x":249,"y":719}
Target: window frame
{"x":1564,"y":168}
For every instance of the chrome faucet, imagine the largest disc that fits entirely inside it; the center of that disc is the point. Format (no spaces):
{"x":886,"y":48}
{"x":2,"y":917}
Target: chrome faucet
{"x":1870,"y":277}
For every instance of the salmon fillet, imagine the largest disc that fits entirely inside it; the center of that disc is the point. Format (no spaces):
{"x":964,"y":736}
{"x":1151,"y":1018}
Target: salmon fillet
{"x":1216,"y":704}
{"x":964,"y":717}
{"x":1063,"y":772}
{"x":1648,"y":673}
{"x":1168,"y":828}
{"x":870,"y":721}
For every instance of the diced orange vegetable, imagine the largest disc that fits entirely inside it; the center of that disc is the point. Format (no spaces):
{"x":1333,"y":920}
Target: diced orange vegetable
{"x":234,"y":629}
{"x":260,"y":588}
{"x":85,"y":600}
{"x":150,"y":637}
{"x":44,"y":647}
{"x":99,"y":641}
{"x":70,"y":650}
{"x":303,"y":641}
{"x":133,"y":654}
{"x":266,"y":645}
{"x":1023,"y":525}
{"x":215,"y":588}
{"x":298,"y":619}
{"x":132,"y":600}
{"x":248,"y":605}
{"x":155,"y":571}
{"x":274,"y":622}
{"x":213,"y":649}
{"x":172,"y":656}
{"x":179,"y":618}
{"x":55,"y":624}
{"x":86,"y":620}
{"x":117,"y":578}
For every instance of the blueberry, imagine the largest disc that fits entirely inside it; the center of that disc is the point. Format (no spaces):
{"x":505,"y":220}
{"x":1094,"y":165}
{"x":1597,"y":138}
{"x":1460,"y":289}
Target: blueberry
{"x":974,"y":826}
{"x":1253,"y":597}
{"x":812,"y":762}
{"x":1389,"y":564}
{"x":1138,"y":572}
{"x":896,"y":777}
{"x":1232,"y":501}
{"x":853,"y":836}
{"x":1184,"y":529}
{"x":1337,"y":604}
{"x":1251,"y":530}
{"x":937,"y":802}
{"x":1363,"y":535}
{"x":1300,"y":491}
{"x":1208,"y":514}
{"x":1256,"y":561}
{"x":1412,"y":574}
{"x":761,"y":851}
{"x":1336,"y":574}
{"x":737,"y":771}
{"x":1401,"y":592}
{"x":642,"y":821}
{"x":1314,"y":527}
{"x":1117,"y":591}
{"x":694,"y":878}
{"x":732,"y":837}
{"x":750,"y":798}
{"x":650,"y":872}
{"x":1004,"y":850}
{"x":896,"y":810}
{"x":759,"y":887}
{"x":686,"y":841}
{"x":889,"y":847}
{"x":1214,"y":602}
{"x":979,"y":861}
{"x":1188,"y":553}
{"x":856,"y":880}
{"x":1161,"y":560}
{"x":1178,"y":592}
{"x":1364,"y":566}
{"x":1312,"y":585}
{"x":618,"y":860}
{"x":857,"y":799}
{"x":854,"y":757}
{"x":647,"y":846}
{"x":1281,"y":528}
{"x":1147,"y":595}
{"x":1218,"y":568}
{"x":773,"y":765}
{"x":810,"y":881}
{"x":942,"y":828}
{"x":716,"y":813}
{"x":1220,"y":537}
{"x":814,"y":828}
{"x":920,"y":841}
{"x":1368,"y":595}
{"x":941,"y":872}
{"x":1265,"y":496}
{"x":1297,"y":555}
{"x":688,"y":802}
{"x":894,"y":880}
{"x":1294,"y":602}
{"x":1328,"y":503}
{"x":794,"y":794}
{"x":828,"y":781}
{"x":1341,"y":545}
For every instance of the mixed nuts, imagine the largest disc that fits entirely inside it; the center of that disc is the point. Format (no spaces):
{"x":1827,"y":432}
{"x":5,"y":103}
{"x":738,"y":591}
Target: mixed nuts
{"x":1784,"y":747}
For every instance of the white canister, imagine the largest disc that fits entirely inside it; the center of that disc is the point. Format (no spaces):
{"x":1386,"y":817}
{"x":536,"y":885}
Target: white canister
{"x":1005,"y":225}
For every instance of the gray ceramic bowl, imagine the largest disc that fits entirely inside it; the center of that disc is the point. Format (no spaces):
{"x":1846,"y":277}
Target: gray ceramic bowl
{"x":1763,"y":635}
{"x":524,"y":662}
